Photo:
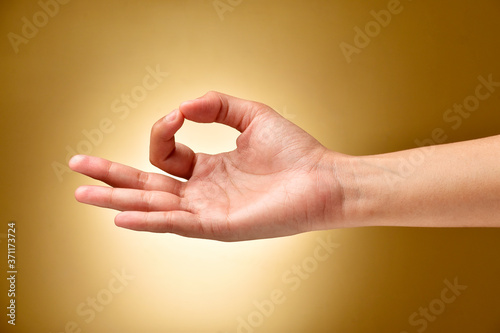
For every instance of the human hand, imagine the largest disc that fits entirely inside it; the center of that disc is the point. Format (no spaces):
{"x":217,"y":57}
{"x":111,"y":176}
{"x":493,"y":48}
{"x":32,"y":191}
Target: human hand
{"x":278,"y":181}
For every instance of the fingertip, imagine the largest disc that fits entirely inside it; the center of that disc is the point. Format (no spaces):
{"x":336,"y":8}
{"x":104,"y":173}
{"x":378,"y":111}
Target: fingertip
{"x":201,"y":110}
{"x":187,"y":104}
{"x":75,"y":161}
{"x":80,"y":193}
{"x":166,"y":127}
{"x":119,"y":220}
{"x":172,"y":116}
{"x":126,"y":219}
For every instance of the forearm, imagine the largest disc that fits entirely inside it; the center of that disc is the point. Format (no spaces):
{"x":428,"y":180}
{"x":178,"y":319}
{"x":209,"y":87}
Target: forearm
{"x":452,"y":185}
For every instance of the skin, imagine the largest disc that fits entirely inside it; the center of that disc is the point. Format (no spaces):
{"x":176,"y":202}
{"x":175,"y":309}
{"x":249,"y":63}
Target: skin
{"x":280,"y":181}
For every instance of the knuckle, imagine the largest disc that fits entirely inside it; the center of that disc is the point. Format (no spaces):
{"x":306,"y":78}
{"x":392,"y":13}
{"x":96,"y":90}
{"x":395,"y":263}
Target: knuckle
{"x":167,"y":224}
{"x":142,"y":179}
{"x":146,"y":200}
{"x":154,"y":160}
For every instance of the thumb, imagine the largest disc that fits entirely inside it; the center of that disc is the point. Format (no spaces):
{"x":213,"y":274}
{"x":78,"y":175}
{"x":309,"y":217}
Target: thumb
{"x":224,"y":109}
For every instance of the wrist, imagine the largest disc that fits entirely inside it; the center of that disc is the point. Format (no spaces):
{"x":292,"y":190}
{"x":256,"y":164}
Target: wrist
{"x":339,"y":190}
{"x":357,"y":190}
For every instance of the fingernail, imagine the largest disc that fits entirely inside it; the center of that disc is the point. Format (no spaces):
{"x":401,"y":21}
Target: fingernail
{"x":184,"y":104}
{"x":171,"y":116}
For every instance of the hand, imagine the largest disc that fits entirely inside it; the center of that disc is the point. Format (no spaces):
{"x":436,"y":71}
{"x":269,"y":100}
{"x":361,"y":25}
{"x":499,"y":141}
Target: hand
{"x":278,"y":181}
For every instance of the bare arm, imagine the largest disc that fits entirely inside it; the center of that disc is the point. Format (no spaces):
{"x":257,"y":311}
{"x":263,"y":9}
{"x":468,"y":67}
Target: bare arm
{"x":280,"y":181}
{"x":450,"y":185}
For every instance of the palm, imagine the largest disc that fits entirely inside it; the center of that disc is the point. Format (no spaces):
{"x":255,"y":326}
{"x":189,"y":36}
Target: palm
{"x":269,"y":186}
{"x":233,"y":198}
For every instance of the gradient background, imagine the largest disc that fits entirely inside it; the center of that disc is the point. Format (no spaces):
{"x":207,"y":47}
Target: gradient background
{"x":287,"y":55}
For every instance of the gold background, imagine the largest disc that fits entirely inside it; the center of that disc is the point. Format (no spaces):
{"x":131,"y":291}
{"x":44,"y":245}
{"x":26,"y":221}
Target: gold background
{"x":287,"y":55}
